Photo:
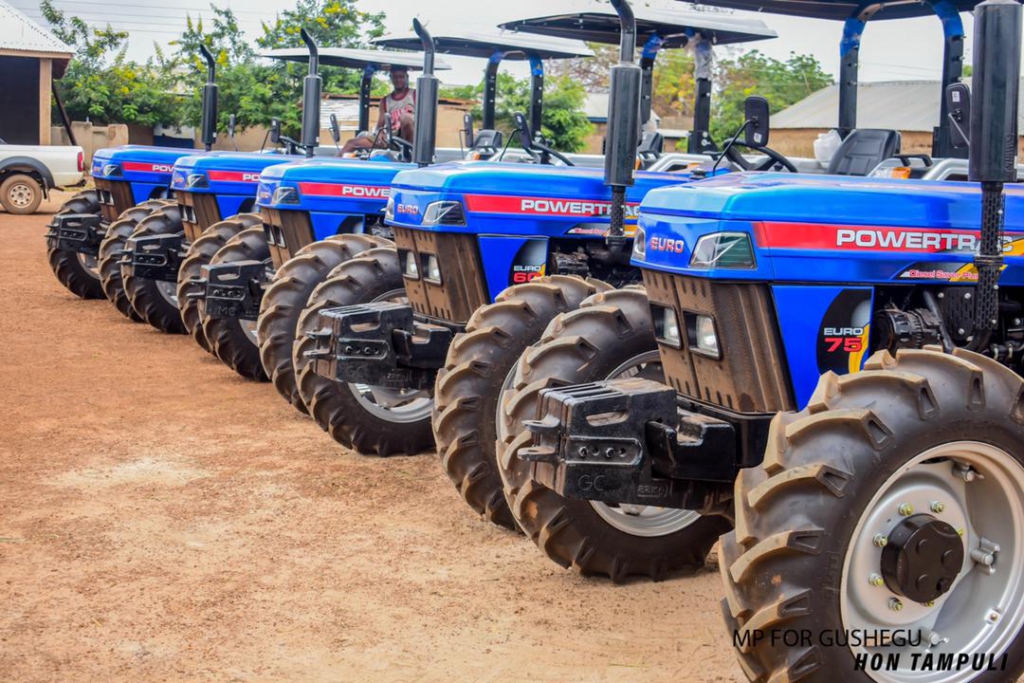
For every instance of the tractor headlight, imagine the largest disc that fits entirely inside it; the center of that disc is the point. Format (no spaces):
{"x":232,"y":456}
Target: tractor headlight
{"x":285,"y":195}
{"x":666,"y":326}
{"x":640,"y":244}
{"x":444,"y":213}
{"x":723,"y":250}
{"x":389,"y":210}
{"x":703,"y":337}
{"x":410,"y":268}
{"x":431,"y":269}
{"x":198,"y":180}
{"x":112,"y":171}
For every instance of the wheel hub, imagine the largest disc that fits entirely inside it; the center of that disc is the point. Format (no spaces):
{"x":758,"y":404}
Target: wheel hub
{"x":922,"y":558}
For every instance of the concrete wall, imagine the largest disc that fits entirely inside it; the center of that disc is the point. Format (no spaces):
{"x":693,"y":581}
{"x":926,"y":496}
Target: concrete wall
{"x":91,"y":138}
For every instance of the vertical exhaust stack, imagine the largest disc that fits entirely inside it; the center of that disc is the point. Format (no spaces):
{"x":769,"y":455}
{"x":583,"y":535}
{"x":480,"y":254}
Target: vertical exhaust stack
{"x":993,"y":155}
{"x":209,"y":114}
{"x":427,"y":87}
{"x":623,"y":135}
{"x":312,"y":86}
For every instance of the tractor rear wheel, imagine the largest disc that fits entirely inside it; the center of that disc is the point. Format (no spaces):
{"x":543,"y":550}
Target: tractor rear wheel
{"x":610,"y":336}
{"x":233,"y":340}
{"x":478,"y":370}
{"x":893,"y":503}
{"x":111,"y":249}
{"x":156,"y":301}
{"x":77,"y":272}
{"x":198,"y":255}
{"x":370,"y":420}
{"x":286,"y":298}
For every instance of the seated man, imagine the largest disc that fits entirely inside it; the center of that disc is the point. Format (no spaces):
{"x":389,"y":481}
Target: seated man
{"x":397,"y":110}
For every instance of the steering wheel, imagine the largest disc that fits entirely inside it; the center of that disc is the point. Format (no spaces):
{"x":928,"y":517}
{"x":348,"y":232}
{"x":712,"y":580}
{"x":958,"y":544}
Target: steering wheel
{"x":531,"y":146}
{"x":774,"y":158}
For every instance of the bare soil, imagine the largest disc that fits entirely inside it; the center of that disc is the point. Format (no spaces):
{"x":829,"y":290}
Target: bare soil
{"x":162,"y":519}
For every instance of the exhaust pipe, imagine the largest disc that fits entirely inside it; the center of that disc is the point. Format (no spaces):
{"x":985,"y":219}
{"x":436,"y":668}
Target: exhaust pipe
{"x":312,"y":86}
{"x":427,"y":87}
{"x":623,"y":132}
{"x":993,"y":155}
{"x":209,"y":115}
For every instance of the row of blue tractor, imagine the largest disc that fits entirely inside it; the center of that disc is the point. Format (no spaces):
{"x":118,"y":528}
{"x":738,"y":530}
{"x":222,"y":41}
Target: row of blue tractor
{"x":819,"y":371}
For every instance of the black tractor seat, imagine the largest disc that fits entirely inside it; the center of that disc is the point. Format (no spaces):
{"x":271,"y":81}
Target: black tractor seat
{"x":862,"y":150}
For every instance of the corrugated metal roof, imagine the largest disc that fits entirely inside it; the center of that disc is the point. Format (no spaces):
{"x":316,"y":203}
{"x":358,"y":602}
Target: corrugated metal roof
{"x":18,"y":33}
{"x":895,"y":105}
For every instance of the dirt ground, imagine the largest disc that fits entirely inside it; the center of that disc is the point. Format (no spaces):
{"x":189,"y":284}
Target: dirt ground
{"x":163,"y":519}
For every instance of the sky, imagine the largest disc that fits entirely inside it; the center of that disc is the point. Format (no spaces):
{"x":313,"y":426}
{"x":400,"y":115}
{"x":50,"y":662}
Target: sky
{"x":891,"y":50}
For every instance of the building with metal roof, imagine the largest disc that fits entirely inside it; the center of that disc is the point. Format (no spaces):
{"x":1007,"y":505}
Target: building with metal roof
{"x":30,"y":58}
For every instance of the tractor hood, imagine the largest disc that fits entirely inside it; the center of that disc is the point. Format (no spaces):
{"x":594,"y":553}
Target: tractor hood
{"x":228,"y":172}
{"x":137,"y":163}
{"x":348,"y":186}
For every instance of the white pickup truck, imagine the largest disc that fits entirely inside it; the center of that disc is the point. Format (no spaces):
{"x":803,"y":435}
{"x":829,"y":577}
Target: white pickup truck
{"x":29,"y":172}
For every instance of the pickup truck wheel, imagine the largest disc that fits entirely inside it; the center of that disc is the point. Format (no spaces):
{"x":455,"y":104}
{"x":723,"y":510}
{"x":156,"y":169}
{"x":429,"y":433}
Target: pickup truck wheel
{"x":20,"y":194}
{"x":370,"y":420}
{"x":609,"y":336}
{"x":77,"y":272}
{"x":892,"y":504}
{"x":286,"y":298}
{"x":111,"y":249}
{"x":156,"y":301}
{"x":233,"y":340}
{"x":198,"y":255}
{"x":479,"y":367}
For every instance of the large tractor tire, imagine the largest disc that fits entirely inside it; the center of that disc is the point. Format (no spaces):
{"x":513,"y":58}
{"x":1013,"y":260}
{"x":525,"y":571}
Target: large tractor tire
{"x":233,"y":340}
{"x":286,"y":298}
{"x":198,"y":255}
{"x":479,"y":369}
{"x":156,"y":301}
{"x":369,"y":420}
{"x":111,"y":249}
{"x":610,"y":336}
{"x":893,"y":503}
{"x":77,"y":272}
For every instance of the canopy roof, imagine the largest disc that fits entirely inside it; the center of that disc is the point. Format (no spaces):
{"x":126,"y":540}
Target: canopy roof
{"x":676,"y":27}
{"x":514,"y":45}
{"x":840,"y":9}
{"x":352,"y":58}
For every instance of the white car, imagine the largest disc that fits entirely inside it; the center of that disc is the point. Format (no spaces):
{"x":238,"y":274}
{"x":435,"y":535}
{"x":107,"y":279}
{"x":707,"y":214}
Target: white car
{"x":29,"y":172}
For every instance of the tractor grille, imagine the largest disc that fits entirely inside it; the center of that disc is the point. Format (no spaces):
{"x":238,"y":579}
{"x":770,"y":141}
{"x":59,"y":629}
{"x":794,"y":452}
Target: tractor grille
{"x":115,"y":198}
{"x":751,"y":375}
{"x":287,"y":233}
{"x":198,"y":212}
{"x":462,"y":289}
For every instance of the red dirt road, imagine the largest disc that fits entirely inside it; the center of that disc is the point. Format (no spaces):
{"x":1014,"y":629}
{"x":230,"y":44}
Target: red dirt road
{"x":163,"y":519}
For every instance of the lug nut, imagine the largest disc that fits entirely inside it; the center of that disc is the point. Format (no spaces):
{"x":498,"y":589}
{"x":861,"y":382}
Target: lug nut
{"x":583,"y":452}
{"x":993,"y":617}
{"x":895,"y":604}
{"x":906,"y":509}
{"x":881,"y":540}
{"x":959,"y":531}
{"x":876,"y":580}
{"x":937,"y":507}
{"x":609,"y":452}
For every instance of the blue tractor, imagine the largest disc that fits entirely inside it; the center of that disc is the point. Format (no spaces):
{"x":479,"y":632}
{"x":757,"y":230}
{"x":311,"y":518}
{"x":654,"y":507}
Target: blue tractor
{"x":833,"y":365}
{"x":534,"y":240}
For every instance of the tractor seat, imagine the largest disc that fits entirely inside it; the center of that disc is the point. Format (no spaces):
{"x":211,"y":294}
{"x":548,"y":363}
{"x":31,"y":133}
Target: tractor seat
{"x":862,"y":150}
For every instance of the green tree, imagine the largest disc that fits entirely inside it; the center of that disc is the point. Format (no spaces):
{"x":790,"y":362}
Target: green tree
{"x":565,"y":125}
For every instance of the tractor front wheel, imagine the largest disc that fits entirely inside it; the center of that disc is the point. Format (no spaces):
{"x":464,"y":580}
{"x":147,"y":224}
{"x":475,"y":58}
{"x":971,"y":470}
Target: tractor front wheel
{"x":893,"y":504}
{"x":156,"y":301}
{"x":112,"y":248}
{"x":610,"y":336}
{"x":77,"y":272}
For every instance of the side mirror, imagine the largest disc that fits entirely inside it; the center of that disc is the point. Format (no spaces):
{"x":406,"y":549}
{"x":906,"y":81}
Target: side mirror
{"x":467,"y":129}
{"x":958,"y":97}
{"x":231,"y":126}
{"x":525,"y":136}
{"x":335,"y":129}
{"x":758,"y":122}
{"x":275,"y":131}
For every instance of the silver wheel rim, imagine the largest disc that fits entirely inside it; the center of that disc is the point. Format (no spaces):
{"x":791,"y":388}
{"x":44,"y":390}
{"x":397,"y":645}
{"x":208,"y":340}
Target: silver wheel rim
{"x":643,"y":520}
{"x":90,"y":263}
{"x":21,"y":195}
{"x":400,"y":406}
{"x":981,"y":613}
{"x":249,"y":327}
{"x":169,"y":291}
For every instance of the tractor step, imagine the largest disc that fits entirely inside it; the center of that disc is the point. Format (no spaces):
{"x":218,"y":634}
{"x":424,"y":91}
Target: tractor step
{"x":80,"y":233}
{"x":381,"y":345}
{"x":627,"y":441}
{"x":233,"y":290}
{"x":154,"y":257}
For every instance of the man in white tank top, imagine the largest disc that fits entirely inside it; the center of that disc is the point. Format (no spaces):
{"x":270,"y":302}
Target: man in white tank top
{"x":397,"y":111}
